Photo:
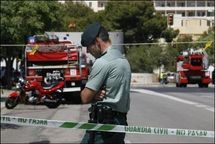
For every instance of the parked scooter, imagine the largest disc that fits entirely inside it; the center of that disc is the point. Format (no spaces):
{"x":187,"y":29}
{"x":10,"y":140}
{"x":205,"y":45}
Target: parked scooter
{"x":32,"y":92}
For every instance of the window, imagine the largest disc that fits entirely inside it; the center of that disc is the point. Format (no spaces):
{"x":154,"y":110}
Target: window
{"x":201,"y":13}
{"x":196,"y":62}
{"x":190,"y":3}
{"x":181,"y":3}
{"x":182,"y":13}
{"x":160,"y":3}
{"x":210,"y":4}
{"x":212,"y":23}
{"x":210,"y":14}
{"x":208,"y":23}
{"x":101,"y":4}
{"x":191,"y":13}
{"x":200,"y":3}
{"x":90,"y":4}
{"x":171,"y":3}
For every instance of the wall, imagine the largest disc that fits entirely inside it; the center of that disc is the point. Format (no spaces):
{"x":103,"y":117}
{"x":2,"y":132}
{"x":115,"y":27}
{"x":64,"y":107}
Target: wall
{"x":143,"y":78}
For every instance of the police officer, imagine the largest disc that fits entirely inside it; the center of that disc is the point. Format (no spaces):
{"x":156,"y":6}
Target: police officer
{"x":110,"y":72}
{"x":162,"y":77}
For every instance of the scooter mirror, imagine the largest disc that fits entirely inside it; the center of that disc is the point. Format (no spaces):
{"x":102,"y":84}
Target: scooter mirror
{"x":18,"y":85}
{"x":21,"y":80}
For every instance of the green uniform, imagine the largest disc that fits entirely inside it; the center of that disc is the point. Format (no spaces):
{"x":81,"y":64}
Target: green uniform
{"x":112,"y":70}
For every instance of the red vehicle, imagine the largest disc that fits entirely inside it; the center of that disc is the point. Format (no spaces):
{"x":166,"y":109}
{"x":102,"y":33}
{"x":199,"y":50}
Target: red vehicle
{"x":191,"y":69}
{"x":46,"y":55}
{"x":51,"y":97}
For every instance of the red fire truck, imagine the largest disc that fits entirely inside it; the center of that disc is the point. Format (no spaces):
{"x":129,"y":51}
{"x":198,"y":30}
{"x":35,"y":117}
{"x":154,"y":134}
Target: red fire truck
{"x":47,"y":58}
{"x":192,"y":69}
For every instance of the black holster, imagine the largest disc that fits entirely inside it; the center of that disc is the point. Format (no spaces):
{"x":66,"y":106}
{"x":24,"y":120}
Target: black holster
{"x":100,"y":114}
{"x":104,"y":114}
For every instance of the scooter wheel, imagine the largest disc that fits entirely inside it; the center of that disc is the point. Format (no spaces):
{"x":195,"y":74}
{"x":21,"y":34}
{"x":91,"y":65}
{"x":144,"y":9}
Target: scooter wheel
{"x":11,"y":103}
{"x":52,"y":105}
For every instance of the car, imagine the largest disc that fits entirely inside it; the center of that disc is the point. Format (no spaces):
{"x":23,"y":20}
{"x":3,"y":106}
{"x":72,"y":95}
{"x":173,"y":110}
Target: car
{"x":171,"y":77}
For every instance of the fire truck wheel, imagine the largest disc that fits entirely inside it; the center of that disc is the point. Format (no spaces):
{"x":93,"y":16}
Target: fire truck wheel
{"x":205,"y":85}
{"x":201,"y":85}
{"x":180,"y":85}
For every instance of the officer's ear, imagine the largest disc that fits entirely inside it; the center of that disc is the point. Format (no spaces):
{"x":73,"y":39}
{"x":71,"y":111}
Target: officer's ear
{"x":98,"y":41}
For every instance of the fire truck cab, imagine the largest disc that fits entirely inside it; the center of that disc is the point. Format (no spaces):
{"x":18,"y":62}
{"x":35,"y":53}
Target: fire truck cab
{"x":47,"y":58}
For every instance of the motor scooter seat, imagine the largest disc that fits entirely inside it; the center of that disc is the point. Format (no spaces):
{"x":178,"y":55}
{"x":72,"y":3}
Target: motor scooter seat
{"x":49,"y":87}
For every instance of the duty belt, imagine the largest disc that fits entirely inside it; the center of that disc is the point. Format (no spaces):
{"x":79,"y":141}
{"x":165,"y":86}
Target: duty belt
{"x":116,"y":113}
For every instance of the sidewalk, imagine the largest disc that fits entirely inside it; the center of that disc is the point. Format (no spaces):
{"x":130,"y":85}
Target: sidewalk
{"x":4,"y":94}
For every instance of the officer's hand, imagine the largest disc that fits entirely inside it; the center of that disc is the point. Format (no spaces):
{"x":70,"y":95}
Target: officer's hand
{"x":100,"y":95}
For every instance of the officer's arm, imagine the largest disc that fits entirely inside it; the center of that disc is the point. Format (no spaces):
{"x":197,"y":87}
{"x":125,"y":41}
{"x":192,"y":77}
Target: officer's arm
{"x":87,"y":95}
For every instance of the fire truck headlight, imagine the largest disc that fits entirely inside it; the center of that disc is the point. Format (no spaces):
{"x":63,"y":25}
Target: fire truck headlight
{"x":72,"y":83}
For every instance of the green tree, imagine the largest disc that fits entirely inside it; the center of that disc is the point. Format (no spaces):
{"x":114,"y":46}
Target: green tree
{"x":209,"y":36}
{"x":144,"y":58}
{"x":183,"y":43}
{"x":137,"y":19}
{"x":169,"y":34}
{"x":77,"y":13}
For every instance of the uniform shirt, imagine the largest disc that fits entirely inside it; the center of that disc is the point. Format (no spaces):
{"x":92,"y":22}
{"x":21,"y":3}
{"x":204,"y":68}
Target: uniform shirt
{"x":113,"y":71}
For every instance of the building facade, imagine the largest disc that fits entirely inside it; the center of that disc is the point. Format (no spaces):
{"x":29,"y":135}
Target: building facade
{"x":186,"y":8}
{"x":95,"y":5}
{"x":191,"y":17}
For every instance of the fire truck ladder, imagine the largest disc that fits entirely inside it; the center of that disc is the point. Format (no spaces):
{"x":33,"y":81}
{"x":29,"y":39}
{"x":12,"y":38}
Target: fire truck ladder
{"x":76,"y":62}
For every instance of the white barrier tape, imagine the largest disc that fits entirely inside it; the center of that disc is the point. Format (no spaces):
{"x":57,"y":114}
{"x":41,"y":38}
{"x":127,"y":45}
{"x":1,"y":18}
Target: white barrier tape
{"x":105,"y":127}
